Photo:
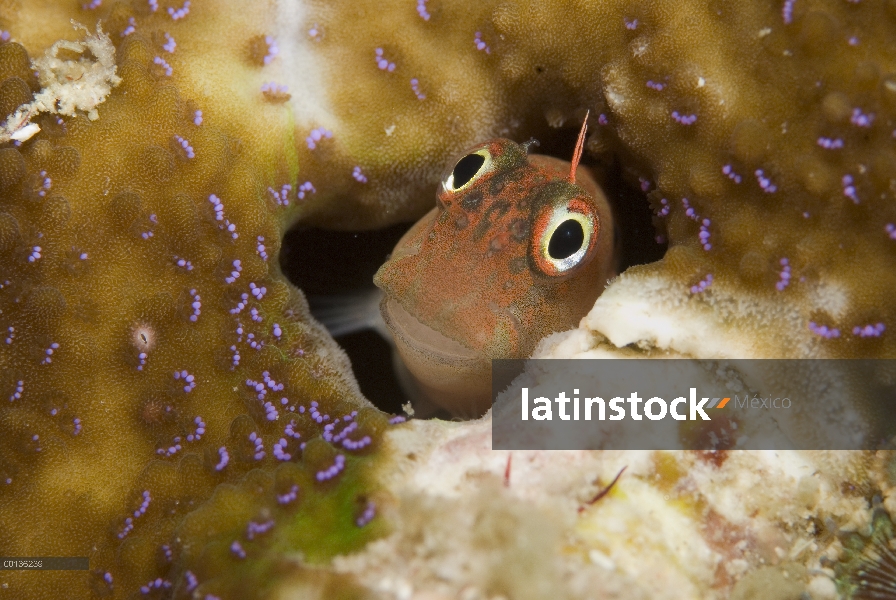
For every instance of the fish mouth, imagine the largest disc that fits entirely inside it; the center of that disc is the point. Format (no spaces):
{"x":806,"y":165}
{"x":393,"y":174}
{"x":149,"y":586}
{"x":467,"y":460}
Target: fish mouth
{"x":423,"y":338}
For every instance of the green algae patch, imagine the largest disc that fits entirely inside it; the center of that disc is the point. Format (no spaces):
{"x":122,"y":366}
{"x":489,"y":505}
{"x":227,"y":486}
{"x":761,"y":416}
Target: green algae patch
{"x":328,"y":525}
{"x":246,"y":536}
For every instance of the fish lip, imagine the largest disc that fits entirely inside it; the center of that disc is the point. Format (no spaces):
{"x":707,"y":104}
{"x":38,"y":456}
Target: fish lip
{"x":423,"y":338}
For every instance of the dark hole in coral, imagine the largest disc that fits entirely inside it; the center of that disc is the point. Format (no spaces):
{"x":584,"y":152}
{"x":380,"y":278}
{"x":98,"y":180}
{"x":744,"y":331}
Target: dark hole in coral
{"x":328,"y":264}
{"x":333,"y":265}
{"x":566,"y":240}
{"x":466,"y":168}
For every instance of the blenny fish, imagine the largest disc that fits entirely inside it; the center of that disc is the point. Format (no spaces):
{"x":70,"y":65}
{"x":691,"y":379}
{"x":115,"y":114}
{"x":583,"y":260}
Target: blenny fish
{"x":518,"y":246}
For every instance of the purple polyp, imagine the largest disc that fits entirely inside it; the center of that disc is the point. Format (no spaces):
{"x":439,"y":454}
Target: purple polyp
{"x":171,"y":450}
{"x":184,"y":144}
{"x":415,"y":86}
{"x":830,"y":143}
{"x":358,"y":175}
{"x":480,"y":44}
{"x":367,"y":515}
{"x":223,"y":223}
{"x":290,"y":430}
{"x":824,"y":331}
{"x":183,"y":263}
{"x":180,"y":13}
{"x":683,"y":119}
{"x":273,"y":49}
{"x":289,"y":496}
{"x":188,"y":379}
{"x":764,"y":182}
{"x":164,"y":64}
{"x":257,"y":291}
{"x":349,"y":426}
{"x":332,"y":471}
{"x":225,"y":458}
{"x":156,"y":584}
{"x":131,"y":28}
{"x":275,"y":92}
{"x":784,"y":275}
{"x":254,"y":528}
{"x":304,"y":189}
{"x":866,"y":331}
{"x":281,"y":197}
{"x":235,"y":273}
{"x":237,"y":549}
{"x":357,"y":444}
{"x":702,"y":284}
{"x":191,"y":580}
{"x":382,"y":63}
{"x":259,"y":445}
{"x":195,"y":305}
{"x":860,"y":119}
{"x":316,"y":135}
{"x":280,"y":452}
{"x":849,"y":190}
{"x":198,"y":432}
{"x":729,"y":171}
{"x":48,"y":353}
{"x":129,"y":522}
{"x":421,"y":10}
{"x":787,"y":11}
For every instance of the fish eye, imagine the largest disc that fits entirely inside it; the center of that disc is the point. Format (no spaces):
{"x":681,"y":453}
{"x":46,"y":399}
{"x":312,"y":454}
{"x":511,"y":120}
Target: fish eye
{"x":564,"y":235}
{"x":467,"y":170}
{"x":566,"y":240}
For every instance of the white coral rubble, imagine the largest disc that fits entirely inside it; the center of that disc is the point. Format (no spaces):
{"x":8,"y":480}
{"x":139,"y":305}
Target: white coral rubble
{"x":67,"y":86}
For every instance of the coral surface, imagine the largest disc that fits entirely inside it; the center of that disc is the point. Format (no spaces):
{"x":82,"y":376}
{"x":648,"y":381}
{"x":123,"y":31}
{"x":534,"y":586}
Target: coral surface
{"x":159,"y":377}
{"x":169,"y":409}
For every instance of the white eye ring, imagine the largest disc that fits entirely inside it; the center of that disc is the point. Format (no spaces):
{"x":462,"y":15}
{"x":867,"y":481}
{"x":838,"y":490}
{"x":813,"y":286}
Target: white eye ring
{"x":480,"y":160}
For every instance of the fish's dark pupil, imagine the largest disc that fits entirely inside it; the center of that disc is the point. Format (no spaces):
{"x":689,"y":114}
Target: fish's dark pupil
{"x":566,"y":240}
{"x":466,"y":168}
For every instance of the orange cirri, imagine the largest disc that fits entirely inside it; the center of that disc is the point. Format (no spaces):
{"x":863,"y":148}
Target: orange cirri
{"x":519,"y":246}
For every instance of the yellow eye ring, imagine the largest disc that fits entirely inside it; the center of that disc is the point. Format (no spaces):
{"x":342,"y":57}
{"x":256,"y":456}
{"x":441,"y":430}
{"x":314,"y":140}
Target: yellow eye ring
{"x":564,"y":237}
{"x":467,"y":170}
